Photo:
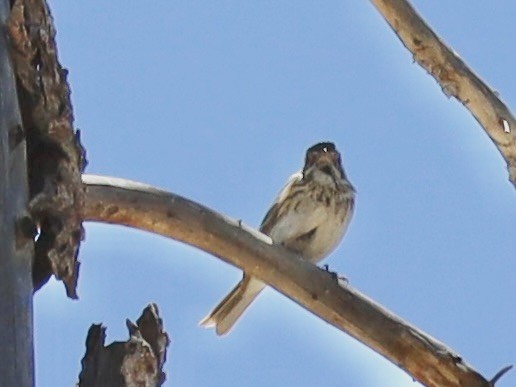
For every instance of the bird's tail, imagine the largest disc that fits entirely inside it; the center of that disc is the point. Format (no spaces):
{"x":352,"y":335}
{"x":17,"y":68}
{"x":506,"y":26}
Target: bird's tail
{"x":227,"y":312}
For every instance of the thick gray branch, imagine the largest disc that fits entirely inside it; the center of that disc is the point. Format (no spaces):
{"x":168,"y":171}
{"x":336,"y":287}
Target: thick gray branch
{"x":16,"y":239}
{"x":140,"y":206}
{"x":454,"y":76}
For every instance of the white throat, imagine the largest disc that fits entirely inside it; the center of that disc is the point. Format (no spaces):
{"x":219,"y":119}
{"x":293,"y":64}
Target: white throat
{"x":323,"y":178}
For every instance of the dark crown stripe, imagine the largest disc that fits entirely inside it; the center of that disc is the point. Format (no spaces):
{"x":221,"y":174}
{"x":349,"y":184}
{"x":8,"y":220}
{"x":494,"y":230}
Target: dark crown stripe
{"x":330,"y":146}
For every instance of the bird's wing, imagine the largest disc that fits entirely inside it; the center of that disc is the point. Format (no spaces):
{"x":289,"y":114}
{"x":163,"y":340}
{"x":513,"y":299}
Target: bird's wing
{"x":272,"y":215}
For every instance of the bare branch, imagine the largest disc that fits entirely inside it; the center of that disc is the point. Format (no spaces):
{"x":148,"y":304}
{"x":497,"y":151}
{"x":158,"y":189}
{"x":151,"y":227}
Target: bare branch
{"x":454,"y":76}
{"x":123,"y":202}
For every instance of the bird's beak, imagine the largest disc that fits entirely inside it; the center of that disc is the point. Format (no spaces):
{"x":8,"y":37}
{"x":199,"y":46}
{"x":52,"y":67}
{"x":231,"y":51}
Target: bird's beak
{"x":324,"y":162}
{"x":324,"y":159}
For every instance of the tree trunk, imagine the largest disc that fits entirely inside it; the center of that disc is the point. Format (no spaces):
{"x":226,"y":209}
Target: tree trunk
{"x":16,"y":238}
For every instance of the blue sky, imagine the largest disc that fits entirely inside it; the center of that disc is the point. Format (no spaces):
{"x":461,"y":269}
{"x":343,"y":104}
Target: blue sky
{"x":217,"y":101}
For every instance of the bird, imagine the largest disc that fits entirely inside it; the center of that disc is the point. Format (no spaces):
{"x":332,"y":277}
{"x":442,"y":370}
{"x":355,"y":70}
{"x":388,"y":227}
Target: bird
{"x":309,"y":216}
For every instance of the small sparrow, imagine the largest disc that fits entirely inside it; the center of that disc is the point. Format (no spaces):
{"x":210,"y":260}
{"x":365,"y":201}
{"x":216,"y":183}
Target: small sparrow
{"x":309,"y":217}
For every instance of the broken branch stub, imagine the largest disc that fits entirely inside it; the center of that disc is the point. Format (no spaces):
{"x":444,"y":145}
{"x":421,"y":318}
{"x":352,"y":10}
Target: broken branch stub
{"x":136,"y":362}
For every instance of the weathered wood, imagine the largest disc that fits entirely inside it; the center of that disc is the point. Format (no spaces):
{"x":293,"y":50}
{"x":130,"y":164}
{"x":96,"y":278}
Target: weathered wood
{"x":16,"y":243}
{"x":454,"y":76}
{"x":132,"y":204}
{"x":55,"y":155}
{"x":136,"y":362}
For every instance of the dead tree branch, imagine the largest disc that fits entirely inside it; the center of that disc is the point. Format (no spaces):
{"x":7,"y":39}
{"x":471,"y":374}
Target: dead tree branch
{"x":454,"y":76}
{"x":123,"y":202}
{"x":136,"y":362}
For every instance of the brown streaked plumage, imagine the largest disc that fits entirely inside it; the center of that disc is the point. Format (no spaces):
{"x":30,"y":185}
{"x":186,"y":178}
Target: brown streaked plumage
{"x":309,"y":216}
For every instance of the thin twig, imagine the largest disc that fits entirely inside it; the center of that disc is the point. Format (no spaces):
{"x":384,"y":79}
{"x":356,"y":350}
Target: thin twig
{"x":499,"y":374}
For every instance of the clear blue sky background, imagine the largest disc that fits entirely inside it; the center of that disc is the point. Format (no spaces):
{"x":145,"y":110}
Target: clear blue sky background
{"x":217,"y":101}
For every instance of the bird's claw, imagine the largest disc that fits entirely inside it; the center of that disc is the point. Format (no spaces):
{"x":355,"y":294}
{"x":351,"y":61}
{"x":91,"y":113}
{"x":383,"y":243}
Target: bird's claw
{"x":342,"y":280}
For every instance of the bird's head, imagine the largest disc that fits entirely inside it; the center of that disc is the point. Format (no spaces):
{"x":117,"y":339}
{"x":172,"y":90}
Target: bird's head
{"x":323,"y":162}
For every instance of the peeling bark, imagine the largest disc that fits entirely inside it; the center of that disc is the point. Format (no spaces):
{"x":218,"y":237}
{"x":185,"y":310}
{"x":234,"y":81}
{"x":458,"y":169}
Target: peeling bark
{"x":55,"y":156}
